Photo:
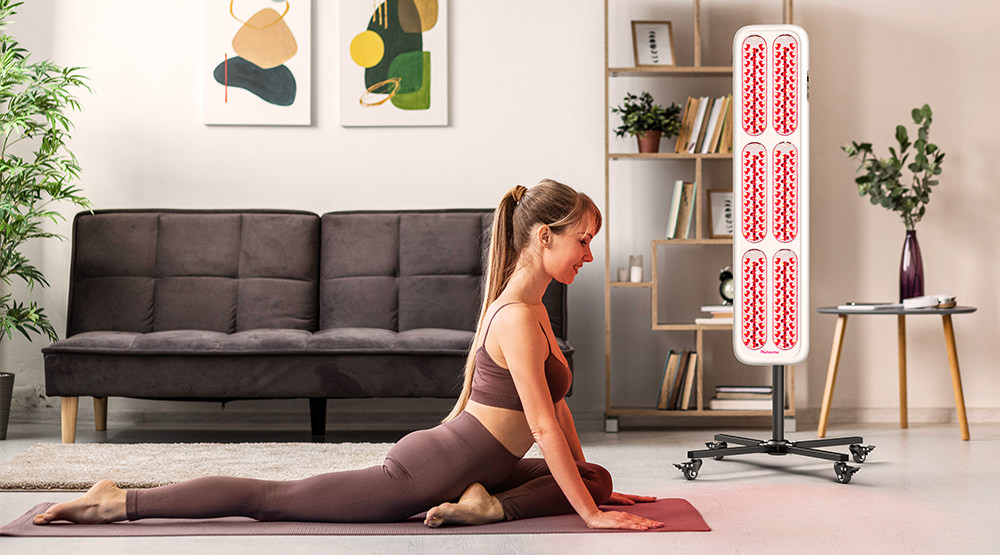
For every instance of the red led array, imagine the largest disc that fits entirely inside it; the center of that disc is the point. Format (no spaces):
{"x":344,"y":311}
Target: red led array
{"x":786,"y":299}
{"x":754,"y":116}
{"x":754,"y":187}
{"x":754,"y":284}
{"x":786,"y":192}
{"x":786,"y":85}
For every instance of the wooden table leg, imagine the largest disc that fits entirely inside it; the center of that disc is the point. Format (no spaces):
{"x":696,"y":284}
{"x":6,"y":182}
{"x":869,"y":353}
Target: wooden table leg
{"x":831,"y":373}
{"x":901,"y":325}
{"x":956,"y":378}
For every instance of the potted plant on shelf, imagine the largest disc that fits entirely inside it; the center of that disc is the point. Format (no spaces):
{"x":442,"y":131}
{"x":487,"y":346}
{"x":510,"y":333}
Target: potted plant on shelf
{"x":882,"y":180}
{"x":36,"y":172}
{"x":646,"y":121}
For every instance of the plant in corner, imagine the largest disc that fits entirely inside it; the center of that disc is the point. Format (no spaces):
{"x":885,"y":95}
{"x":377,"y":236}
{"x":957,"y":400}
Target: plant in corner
{"x":36,"y":170}
{"x":646,"y":121}
{"x":882,"y":180}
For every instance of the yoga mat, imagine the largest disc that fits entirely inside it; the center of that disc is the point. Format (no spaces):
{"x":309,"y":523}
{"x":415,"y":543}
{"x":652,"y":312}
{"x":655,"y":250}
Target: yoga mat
{"x":677,"y":514}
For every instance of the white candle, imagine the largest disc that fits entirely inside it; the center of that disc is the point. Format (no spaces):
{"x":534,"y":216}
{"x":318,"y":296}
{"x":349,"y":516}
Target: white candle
{"x":635,"y":263}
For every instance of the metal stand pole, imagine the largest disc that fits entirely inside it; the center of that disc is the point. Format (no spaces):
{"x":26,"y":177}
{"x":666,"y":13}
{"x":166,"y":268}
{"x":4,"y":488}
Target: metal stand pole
{"x":778,"y":403}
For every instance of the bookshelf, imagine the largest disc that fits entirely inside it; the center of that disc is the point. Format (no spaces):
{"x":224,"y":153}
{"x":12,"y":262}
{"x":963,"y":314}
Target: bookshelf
{"x":699,"y":406}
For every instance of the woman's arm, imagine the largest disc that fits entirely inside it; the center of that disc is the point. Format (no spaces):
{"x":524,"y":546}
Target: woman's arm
{"x":565,"y":418}
{"x":525,"y":348}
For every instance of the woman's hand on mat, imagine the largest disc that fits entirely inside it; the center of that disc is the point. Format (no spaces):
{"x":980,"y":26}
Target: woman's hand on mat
{"x":621,"y":521}
{"x":628,"y":499}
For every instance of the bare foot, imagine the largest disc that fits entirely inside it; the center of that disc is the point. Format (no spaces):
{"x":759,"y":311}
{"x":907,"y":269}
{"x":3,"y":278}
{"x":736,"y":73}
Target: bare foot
{"x":103,"y":502}
{"x":476,"y":506}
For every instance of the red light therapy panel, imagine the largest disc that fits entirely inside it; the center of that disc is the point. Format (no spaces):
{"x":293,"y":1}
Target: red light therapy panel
{"x":771,"y":189}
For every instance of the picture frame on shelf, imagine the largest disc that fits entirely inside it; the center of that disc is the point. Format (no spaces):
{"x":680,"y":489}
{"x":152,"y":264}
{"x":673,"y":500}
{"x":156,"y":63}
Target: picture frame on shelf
{"x":721,"y":215}
{"x":653,"y":43}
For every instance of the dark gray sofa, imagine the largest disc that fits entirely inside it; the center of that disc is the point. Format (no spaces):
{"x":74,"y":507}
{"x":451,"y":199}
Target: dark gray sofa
{"x":218,"y":305}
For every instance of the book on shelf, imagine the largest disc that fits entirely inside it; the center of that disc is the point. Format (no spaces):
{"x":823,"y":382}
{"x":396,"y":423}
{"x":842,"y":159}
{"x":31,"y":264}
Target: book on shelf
{"x":669,"y":372}
{"x":714,"y":320}
{"x":711,"y":124}
{"x":675,"y":206}
{"x":744,"y":389}
{"x":724,"y":395}
{"x":687,"y":119}
{"x":720,"y":122}
{"x":689,"y":376}
{"x":719,"y":315}
{"x":677,"y":384}
{"x":685,"y":211}
{"x":726,"y":135}
{"x":740,"y":404}
{"x":696,"y":127}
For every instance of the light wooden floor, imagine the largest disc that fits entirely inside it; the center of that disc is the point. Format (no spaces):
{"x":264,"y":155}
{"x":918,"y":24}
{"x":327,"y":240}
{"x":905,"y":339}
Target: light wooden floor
{"x":922,"y":490}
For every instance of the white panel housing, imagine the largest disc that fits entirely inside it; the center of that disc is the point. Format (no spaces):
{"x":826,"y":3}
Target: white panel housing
{"x":771,"y":194}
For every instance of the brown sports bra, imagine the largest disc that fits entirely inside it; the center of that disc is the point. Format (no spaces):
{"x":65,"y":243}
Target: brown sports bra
{"x":493,"y":385}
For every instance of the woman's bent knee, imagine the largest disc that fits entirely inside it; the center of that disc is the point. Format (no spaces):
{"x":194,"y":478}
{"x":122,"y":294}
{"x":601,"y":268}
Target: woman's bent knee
{"x":598,"y":481}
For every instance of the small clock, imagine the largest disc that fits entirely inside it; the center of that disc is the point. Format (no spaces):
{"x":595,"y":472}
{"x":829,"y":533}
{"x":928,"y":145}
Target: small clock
{"x":726,"y":286}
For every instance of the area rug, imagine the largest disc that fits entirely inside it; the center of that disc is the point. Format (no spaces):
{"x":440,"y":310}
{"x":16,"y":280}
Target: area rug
{"x":76,"y":466}
{"x":677,"y":514}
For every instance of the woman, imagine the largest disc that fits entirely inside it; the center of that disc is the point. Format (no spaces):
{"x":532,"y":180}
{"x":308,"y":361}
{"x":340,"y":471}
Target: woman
{"x":469,"y":469}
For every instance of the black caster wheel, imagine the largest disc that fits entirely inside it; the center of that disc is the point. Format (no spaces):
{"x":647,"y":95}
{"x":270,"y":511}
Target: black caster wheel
{"x":844,"y":472}
{"x":690,"y":468}
{"x":717,"y":445}
{"x":860,"y":452}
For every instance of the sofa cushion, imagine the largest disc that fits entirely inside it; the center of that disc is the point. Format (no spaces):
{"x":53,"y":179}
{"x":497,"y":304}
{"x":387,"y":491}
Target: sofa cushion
{"x":402,"y":270}
{"x":224,"y":271}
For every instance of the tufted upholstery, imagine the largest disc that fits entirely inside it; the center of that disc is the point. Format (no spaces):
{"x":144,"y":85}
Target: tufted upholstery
{"x":139,"y":271}
{"x":265,"y":304}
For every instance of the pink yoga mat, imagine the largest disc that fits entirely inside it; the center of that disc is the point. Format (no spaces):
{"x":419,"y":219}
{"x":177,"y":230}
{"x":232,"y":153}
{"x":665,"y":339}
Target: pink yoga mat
{"x":677,"y":514}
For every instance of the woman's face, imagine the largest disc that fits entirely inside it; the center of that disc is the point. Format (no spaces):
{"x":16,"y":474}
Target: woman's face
{"x":569,"y":251}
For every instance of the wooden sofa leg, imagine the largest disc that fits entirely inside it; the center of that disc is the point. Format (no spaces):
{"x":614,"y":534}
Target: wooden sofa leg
{"x":317,"y":418}
{"x":69,"y":406}
{"x":101,"y":414}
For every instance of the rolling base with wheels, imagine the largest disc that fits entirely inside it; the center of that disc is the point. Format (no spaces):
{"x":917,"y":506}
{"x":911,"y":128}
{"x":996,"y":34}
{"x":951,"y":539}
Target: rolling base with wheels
{"x":778,"y":445}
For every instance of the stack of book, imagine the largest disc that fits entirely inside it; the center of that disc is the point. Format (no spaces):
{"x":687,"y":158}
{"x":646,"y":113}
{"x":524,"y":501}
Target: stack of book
{"x":706,"y":125}
{"x":677,"y":384}
{"x":681,"y":210}
{"x":718,"y":315}
{"x":741,"y":397}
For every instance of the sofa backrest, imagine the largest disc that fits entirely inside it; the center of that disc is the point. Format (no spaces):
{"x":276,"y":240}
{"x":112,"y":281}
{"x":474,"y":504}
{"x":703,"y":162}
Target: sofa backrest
{"x":218,"y":270}
{"x":402,"y":270}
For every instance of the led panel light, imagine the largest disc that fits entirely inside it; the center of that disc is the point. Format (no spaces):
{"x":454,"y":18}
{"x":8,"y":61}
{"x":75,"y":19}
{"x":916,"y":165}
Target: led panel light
{"x":771,"y":193}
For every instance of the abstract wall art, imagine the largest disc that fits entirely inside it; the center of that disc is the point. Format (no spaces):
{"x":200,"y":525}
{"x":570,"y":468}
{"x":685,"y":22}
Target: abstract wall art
{"x":393,"y":62}
{"x":256,"y":66}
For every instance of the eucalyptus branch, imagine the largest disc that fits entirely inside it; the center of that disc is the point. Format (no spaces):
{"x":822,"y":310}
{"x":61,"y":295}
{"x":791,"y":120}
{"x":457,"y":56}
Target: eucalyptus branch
{"x":882,"y":178}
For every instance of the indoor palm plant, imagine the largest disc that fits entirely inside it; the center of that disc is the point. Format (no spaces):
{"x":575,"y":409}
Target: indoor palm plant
{"x":647,"y":121}
{"x":37,"y":170}
{"x":882,"y":179}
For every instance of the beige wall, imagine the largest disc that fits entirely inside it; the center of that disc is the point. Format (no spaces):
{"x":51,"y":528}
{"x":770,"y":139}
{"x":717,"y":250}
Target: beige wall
{"x":526,"y":95}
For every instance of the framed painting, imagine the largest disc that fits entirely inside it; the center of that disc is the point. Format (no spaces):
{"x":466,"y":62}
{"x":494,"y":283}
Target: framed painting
{"x":393,"y":62}
{"x":653,"y":43}
{"x":257,"y":63}
{"x":721,"y":214}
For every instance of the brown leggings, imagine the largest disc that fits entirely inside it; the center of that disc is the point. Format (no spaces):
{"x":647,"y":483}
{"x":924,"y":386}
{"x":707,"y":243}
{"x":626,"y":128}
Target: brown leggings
{"x":424,"y":469}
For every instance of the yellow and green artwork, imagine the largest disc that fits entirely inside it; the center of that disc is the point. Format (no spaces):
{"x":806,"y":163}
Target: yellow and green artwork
{"x":256,"y":62}
{"x":394,"y":62}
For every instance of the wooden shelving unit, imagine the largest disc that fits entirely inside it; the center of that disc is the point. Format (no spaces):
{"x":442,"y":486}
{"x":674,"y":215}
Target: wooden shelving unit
{"x":612,"y":412}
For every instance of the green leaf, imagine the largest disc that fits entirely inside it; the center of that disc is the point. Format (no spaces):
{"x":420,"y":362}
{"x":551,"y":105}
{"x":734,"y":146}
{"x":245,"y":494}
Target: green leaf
{"x":36,"y":169}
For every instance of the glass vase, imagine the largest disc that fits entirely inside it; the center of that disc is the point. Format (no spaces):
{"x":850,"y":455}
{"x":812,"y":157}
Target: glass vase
{"x":911,"y":268}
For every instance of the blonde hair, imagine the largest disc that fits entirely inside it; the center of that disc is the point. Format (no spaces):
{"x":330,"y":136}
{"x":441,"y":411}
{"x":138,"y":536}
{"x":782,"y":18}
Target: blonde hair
{"x":549,"y":203}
